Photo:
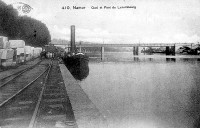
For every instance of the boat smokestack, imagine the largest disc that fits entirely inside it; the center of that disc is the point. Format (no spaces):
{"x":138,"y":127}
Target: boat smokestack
{"x":73,"y":38}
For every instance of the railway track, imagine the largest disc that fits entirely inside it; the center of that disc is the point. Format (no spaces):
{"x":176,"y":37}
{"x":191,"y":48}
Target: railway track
{"x":17,"y":66}
{"x":42,"y":103}
{"x":15,"y":83}
{"x":8,"y":78}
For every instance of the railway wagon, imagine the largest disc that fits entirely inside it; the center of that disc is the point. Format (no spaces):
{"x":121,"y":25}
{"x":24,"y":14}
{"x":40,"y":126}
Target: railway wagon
{"x":53,"y":51}
{"x":32,"y":51}
{"x":18,"y":47}
{"x":50,"y":48}
{"x":37,"y":51}
{"x":50,"y":51}
{"x":20,"y":55}
{"x":3,"y":42}
{"x":28,"y":53}
{"x":17,"y":43}
{"x":4,"y":45}
{"x":3,"y":39}
{"x":6,"y":57}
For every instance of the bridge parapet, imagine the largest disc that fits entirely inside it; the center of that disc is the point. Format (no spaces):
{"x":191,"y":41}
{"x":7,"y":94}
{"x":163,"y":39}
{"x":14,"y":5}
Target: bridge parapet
{"x":132,"y":45}
{"x":125,"y":45}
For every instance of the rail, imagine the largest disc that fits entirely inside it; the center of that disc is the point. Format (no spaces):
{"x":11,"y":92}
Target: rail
{"x":22,"y":89}
{"x":32,"y":122}
{"x":17,"y":74}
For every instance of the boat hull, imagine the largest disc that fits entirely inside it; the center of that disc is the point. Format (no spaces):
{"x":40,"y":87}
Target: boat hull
{"x":77,"y":65}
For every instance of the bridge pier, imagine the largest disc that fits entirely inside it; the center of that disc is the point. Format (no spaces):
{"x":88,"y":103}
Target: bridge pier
{"x":144,"y":50}
{"x":102,"y":53}
{"x":173,"y":50}
{"x":135,"y":50}
{"x":170,"y":50}
{"x":167,"y":51}
{"x":150,"y":50}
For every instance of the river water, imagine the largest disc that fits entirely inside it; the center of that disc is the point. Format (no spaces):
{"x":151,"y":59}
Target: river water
{"x":151,"y":91}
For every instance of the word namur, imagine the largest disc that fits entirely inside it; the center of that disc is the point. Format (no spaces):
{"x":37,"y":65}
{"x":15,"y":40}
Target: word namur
{"x":73,"y":7}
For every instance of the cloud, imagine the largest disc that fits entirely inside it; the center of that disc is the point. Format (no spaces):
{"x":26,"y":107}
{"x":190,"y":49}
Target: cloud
{"x":185,"y":38}
{"x":98,"y":35}
{"x":96,"y":32}
{"x":152,"y":20}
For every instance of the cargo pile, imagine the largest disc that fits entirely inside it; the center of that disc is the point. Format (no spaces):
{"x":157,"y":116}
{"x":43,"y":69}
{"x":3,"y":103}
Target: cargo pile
{"x":13,"y":52}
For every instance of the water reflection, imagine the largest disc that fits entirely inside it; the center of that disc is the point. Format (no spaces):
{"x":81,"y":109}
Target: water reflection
{"x":171,"y":59}
{"x":150,"y":59}
{"x":162,"y":59}
{"x":194,"y":110}
{"x":147,"y":95}
{"x":136,"y":58}
{"x":128,"y":57}
{"x":189,"y":59}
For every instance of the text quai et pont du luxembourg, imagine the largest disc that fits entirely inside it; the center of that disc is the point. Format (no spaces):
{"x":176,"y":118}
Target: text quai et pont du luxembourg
{"x":98,"y":7}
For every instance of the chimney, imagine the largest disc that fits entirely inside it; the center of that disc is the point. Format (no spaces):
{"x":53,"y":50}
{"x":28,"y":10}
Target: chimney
{"x":72,"y":38}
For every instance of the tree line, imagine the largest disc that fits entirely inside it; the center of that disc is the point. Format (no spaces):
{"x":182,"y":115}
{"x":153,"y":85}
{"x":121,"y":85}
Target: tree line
{"x":32,"y":31}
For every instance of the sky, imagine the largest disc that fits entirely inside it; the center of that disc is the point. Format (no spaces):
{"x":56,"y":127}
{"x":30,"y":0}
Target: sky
{"x":153,"y":21}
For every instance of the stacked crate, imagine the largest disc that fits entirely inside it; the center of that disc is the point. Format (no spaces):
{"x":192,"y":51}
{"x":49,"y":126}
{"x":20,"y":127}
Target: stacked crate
{"x":20,"y":55}
{"x":28,"y":52}
{"x":37,"y":51}
{"x":19,"y":50}
{"x":15,"y":51}
{"x":3,"y":42}
{"x":6,"y":53}
{"x":32,"y":52}
{"x":7,"y":57}
{"x":0,"y":56}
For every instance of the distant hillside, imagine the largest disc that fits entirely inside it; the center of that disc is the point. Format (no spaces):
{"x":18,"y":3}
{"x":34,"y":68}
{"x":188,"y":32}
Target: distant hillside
{"x":60,"y":41}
